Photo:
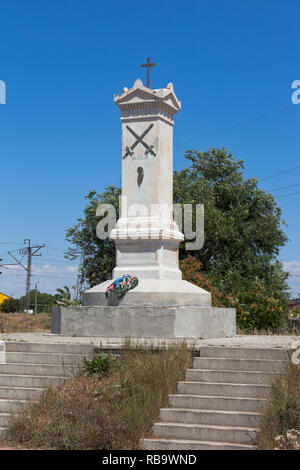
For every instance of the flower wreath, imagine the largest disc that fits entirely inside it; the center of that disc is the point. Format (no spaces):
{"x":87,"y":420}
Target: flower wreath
{"x":122,"y":285}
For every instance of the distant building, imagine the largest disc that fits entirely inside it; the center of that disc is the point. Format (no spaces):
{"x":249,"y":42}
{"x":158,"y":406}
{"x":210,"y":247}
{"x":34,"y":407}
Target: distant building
{"x":2,"y":298}
{"x":294,"y":303}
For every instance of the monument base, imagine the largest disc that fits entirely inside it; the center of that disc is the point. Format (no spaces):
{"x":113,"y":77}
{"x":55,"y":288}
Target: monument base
{"x":150,"y":292}
{"x":163,"y":322}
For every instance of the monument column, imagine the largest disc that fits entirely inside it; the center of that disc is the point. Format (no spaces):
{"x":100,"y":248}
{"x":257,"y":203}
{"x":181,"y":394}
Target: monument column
{"x":146,"y":235}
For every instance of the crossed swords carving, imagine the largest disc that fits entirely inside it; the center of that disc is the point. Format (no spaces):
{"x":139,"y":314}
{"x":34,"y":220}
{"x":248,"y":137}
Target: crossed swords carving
{"x":139,"y":139}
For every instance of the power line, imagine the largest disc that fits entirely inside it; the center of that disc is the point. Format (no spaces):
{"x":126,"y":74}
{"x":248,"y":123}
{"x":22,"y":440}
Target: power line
{"x":290,"y":194}
{"x":56,"y":277}
{"x":284,"y":187}
{"x":280,"y":173}
{"x":10,"y":243}
{"x":239,"y":124}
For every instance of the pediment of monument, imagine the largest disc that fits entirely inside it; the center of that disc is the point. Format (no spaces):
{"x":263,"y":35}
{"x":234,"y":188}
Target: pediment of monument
{"x":141,"y":94}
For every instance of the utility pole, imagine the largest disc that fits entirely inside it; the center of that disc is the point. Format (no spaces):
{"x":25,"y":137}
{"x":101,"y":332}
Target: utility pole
{"x":35,"y":301}
{"x":79,"y":280}
{"x":28,"y":251}
{"x":79,"y":283}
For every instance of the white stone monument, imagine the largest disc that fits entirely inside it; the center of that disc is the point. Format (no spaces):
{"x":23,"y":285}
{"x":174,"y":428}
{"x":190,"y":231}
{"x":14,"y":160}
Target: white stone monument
{"x":147,"y":240}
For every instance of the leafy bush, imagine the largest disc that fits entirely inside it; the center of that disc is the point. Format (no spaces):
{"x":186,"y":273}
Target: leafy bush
{"x":255,"y":308}
{"x":11,"y":306}
{"x":295,"y":313}
{"x":191,"y":271}
{"x":101,"y":365}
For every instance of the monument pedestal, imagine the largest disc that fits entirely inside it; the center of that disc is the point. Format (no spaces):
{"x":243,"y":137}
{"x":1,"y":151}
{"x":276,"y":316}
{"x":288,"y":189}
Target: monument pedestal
{"x":165,"y":322}
{"x":156,"y":308}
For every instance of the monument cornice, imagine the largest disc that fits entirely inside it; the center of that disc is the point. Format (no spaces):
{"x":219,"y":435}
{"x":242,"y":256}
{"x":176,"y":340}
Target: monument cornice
{"x":140,"y":97}
{"x":146,"y":109}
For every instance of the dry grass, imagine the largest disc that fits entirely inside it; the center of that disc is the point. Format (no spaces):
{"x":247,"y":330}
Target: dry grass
{"x":282,"y":411}
{"x":111,"y":412}
{"x":24,"y":322}
{"x":265,"y":332}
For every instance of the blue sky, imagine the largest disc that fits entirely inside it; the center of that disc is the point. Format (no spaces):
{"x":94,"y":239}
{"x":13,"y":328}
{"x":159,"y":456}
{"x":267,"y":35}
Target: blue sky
{"x":232,"y":64}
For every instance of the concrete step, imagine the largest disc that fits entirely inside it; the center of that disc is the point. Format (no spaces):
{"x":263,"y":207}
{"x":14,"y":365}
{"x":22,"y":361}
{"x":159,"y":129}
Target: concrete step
{"x":32,"y":367}
{"x":216,"y":403}
{"x":206,"y":432}
{"x":213,"y":417}
{"x":230,"y":376}
{"x":224,"y":390}
{"x":212,"y":363}
{"x":183,"y":444}
{"x":45,"y":358}
{"x":20,"y":393}
{"x":19,"y":346}
{"x":37,"y":369}
{"x":7,"y":380}
{"x":4,"y":418}
{"x":244,"y":353}
{"x":10,"y":406}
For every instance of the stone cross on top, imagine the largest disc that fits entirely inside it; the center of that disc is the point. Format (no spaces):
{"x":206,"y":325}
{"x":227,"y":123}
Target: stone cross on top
{"x":148,"y":65}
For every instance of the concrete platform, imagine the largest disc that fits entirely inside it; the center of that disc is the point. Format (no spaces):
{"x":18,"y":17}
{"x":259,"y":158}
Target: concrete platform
{"x":255,"y":342}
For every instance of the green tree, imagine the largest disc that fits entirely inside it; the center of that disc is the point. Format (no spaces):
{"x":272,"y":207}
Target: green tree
{"x":44,"y":301}
{"x":243,"y":229}
{"x":243,"y":233}
{"x":63,"y":296}
{"x":98,"y":256}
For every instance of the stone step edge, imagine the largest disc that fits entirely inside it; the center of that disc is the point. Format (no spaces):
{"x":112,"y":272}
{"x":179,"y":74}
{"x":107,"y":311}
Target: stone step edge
{"x":208,"y":358}
{"x":185,"y":395}
{"x":32,"y":376}
{"x":13,"y":400}
{"x":234,"y":370}
{"x":51,"y":353}
{"x":192,"y":441}
{"x":14,"y":387}
{"x":243,"y":348}
{"x":206,"y":411}
{"x":36,"y":364}
{"x":78,"y":345}
{"x":223,"y":383}
{"x":205,"y":426}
